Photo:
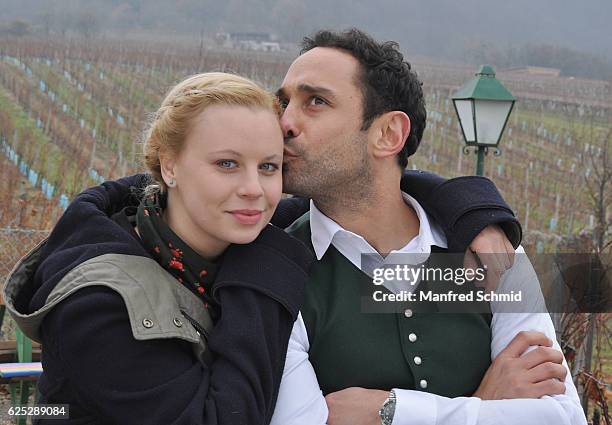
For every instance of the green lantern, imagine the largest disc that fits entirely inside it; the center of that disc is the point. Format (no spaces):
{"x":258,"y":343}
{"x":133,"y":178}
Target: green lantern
{"x":483,"y":106}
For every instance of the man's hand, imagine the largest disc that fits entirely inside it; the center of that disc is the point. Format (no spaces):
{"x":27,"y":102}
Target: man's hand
{"x":355,"y":406}
{"x":491,"y":249}
{"x":516,"y":374}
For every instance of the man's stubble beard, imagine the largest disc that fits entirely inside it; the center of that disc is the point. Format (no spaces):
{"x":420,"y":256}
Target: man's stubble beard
{"x":338,"y":178}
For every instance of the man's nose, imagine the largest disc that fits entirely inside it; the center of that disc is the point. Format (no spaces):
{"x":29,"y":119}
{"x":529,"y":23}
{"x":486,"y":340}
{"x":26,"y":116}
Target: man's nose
{"x":289,"y":123}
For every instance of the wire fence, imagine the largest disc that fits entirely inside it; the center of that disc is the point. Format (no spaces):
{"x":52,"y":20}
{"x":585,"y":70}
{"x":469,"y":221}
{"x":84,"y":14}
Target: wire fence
{"x":14,"y":244}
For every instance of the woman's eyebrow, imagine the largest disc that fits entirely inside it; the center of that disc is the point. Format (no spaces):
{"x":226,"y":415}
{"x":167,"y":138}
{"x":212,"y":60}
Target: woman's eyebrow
{"x":227,"y":151}
{"x":233,"y":152}
{"x":271,"y":157}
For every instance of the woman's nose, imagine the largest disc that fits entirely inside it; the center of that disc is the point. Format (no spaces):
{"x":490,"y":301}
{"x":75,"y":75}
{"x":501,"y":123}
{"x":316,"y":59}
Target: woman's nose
{"x":250,"y":186}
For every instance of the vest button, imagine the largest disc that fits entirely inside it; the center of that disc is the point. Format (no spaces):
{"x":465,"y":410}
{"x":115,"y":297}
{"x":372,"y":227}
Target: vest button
{"x":417,"y":360}
{"x":177,"y":322}
{"x":412,"y":337}
{"x":147,"y":323}
{"x":408,"y":312}
{"x":423,"y":383}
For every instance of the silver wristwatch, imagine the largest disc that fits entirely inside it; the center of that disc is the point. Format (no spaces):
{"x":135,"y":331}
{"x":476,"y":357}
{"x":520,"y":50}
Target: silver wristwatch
{"x":387,"y":411}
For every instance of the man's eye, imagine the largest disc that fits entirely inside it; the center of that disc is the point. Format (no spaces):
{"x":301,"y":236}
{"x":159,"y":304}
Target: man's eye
{"x":283,"y":103}
{"x":227,"y":163}
{"x":316,"y":100}
{"x":269,"y":166}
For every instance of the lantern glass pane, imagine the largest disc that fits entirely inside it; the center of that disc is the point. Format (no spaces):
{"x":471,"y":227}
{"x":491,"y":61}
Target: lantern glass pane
{"x":490,"y":119}
{"x":466,"y":117}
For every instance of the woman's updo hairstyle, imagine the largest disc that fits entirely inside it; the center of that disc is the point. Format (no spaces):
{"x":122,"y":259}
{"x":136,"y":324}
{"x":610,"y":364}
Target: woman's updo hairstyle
{"x":169,"y":127}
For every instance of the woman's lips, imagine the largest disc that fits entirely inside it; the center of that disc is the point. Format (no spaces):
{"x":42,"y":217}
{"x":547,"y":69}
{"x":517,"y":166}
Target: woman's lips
{"x":247,"y":216}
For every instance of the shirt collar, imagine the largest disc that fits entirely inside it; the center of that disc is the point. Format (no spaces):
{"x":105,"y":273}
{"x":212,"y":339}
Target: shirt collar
{"x":325,"y":232}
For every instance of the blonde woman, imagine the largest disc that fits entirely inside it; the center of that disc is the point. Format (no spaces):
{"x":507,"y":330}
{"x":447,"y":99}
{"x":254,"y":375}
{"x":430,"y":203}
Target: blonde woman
{"x":124,"y":307}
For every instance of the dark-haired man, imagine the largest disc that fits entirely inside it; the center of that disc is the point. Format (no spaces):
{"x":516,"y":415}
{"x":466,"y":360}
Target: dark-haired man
{"x":353,"y":113}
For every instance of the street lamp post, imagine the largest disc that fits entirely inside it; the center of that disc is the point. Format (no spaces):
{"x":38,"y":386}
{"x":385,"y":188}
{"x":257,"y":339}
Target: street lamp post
{"x":483,"y":106}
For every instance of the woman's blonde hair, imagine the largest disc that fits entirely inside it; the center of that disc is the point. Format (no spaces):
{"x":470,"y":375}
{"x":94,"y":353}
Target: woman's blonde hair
{"x":169,"y":127}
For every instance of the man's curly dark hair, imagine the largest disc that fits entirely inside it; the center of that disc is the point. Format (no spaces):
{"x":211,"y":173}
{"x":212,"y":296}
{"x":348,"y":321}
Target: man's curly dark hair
{"x":387,"y":82}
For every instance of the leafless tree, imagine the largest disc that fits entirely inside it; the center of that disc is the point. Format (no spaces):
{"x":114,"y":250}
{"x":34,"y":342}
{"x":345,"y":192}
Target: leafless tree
{"x":598,"y":184}
{"x":597,"y":178}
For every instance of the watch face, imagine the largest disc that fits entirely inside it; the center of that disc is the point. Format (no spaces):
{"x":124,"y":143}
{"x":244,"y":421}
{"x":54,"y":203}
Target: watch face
{"x":386,"y":414}
{"x":388,"y":410}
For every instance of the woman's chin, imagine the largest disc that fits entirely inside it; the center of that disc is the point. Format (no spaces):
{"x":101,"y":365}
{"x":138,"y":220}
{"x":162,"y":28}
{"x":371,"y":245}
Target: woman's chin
{"x":244,"y":236}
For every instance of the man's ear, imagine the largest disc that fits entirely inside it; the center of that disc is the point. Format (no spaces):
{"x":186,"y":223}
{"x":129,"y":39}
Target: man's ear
{"x":392,"y":129}
{"x":167,"y":162}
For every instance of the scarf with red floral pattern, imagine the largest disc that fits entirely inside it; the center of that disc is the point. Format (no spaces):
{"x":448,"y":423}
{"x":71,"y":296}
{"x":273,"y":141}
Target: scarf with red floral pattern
{"x":188,"y":267}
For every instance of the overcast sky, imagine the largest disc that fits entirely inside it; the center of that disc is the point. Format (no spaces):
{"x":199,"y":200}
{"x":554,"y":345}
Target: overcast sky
{"x":433,"y":27}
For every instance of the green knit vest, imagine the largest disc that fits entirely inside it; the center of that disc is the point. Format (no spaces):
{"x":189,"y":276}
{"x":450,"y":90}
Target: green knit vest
{"x":349,"y":348}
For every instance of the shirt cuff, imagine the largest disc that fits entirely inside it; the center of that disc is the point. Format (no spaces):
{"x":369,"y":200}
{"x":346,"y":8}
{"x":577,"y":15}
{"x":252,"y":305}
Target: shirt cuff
{"x":414,"y":408}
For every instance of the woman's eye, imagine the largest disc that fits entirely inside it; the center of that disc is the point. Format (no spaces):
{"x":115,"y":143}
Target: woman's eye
{"x":227,"y":163}
{"x":283,"y":103}
{"x":269,"y":166}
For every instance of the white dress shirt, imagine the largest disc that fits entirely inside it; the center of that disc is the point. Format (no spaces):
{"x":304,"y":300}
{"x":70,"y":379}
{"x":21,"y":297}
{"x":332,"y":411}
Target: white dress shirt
{"x":301,"y":402}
